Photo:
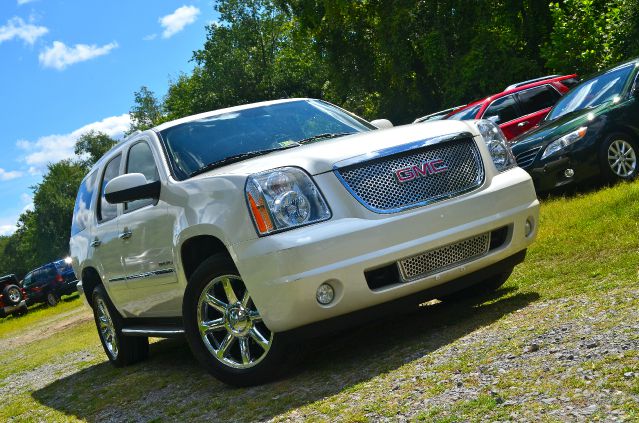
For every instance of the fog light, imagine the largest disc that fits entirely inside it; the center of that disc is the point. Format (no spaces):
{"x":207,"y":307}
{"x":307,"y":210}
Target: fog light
{"x":569,"y":173}
{"x":325,"y":294}
{"x":529,"y":226}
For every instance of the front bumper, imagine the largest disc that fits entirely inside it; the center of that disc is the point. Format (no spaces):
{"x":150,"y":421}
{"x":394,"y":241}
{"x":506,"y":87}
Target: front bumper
{"x":582,"y":157}
{"x":283,"y":271}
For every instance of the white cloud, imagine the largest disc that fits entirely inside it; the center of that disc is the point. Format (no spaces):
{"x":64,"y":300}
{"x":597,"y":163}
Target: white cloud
{"x":176,"y":21}
{"x":53,"y":148}
{"x":150,"y":37}
{"x":27,"y":200}
{"x":7,"y":230}
{"x":21,"y":2}
{"x":7,"y":175}
{"x":17,"y":28}
{"x":59,"y":55}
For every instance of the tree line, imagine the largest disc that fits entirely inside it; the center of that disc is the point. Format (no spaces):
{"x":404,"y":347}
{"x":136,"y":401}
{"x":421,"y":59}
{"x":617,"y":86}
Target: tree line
{"x":395,"y":59}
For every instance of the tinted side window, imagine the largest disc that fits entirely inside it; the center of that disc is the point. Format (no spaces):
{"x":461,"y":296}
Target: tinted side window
{"x":502,"y":110}
{"x":538,"y":98}
{"x":28,"y":280}
{"x":106,"y":210}
{"x":141,"y":160}
{"x":82,"y":210}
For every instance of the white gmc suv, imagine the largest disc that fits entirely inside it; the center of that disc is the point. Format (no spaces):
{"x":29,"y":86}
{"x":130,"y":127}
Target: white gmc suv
{"x":245,"y":226}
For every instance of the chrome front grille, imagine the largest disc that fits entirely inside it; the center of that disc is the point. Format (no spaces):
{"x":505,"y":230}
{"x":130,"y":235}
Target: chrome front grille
{"x":440,"y":259}
{"x":374,"y":183}
{"x":526,"y":158}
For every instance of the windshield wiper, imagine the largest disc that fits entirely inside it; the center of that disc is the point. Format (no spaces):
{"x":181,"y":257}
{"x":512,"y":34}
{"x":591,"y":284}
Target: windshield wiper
{"x":327,"y":135}
{"x":238,"y":158}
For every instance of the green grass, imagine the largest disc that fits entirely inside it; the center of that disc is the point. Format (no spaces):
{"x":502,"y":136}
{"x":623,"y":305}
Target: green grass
{"x":11,"y":325}
{"x":441,"y":363}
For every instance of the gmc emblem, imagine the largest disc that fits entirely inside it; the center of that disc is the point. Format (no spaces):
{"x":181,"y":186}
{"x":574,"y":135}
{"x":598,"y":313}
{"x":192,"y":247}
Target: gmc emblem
{"x":430,"y":167}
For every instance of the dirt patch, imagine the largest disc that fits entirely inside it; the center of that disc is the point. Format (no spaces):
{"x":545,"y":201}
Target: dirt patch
{"x":44,"y":330}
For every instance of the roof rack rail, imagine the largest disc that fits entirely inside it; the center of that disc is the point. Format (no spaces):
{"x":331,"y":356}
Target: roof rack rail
{"x":530,"y":81}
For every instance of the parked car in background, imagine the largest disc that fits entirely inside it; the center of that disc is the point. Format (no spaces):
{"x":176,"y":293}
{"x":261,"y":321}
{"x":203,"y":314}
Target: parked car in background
{"x":438,"y":115}
{"x":521,"y":106}
{"x":12,"y":296}
{"x":593,"y":130}
{"x":245,"y":227}
{"x":48,"y":283}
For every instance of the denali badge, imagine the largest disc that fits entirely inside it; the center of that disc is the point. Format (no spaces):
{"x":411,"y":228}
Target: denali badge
{"x":430,"y":167}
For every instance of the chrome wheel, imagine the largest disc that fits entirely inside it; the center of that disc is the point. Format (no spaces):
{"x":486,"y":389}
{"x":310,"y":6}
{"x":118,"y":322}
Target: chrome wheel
{"x":622,"y":158}
{"x":230,"y":325}
{"x":14,"y":295}
{"x":106,"y":327}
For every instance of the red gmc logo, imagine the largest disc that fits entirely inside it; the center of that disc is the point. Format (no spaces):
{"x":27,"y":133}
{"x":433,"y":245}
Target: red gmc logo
{"x":430,"y":167}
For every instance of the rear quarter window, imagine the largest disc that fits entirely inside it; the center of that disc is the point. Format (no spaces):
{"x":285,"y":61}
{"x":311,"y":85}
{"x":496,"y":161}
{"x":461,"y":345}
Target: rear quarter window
{"x":82,"y":212}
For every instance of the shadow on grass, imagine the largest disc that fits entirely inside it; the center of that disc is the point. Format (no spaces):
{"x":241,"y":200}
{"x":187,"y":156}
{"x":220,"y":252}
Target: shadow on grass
{"x":171,"y":385}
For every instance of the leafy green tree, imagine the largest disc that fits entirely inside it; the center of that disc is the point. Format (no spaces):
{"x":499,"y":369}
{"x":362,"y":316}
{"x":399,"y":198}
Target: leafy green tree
{"x":53,"y":203}
{"x":589,"y":35}
{"x":91,"y":146}
{"x":147,"y":111}
{"x":255,"y":53}
{"x":403,"y":58}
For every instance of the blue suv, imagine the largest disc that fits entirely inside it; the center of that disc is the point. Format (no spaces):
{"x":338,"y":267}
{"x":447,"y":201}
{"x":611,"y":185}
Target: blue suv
{"x":48,"y":283}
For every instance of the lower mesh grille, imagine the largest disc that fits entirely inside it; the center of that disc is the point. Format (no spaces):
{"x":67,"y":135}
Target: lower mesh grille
{"x":439,"y":259}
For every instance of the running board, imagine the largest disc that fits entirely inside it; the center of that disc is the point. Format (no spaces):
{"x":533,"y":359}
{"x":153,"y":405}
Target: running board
{"x":154,"y":331}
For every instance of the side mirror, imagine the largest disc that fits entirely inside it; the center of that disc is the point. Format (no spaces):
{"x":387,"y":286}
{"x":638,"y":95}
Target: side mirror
{"x":382,"y":123}
{"x":130,"y":187}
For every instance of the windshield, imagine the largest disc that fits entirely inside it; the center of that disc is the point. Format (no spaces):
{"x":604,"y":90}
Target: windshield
{"x":593,"y":92}
{"x":466,"y":114}
{"x":195,"y":145}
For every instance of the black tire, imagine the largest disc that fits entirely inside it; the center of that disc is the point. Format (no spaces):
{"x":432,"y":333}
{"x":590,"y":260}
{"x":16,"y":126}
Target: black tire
{"x":12,"y":295}
{"x":23,"y":310}
{"x":629,"y":169}
{"x":480,"y":289}
{"x":266,"y":363}
{"x":128,"y":349}
{"x":52,"y":299}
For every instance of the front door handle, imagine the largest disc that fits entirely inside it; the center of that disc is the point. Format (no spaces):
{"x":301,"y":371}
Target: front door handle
{"x":96,"y":243}
{"x":126,"y":234}
{"x":522,"y":124}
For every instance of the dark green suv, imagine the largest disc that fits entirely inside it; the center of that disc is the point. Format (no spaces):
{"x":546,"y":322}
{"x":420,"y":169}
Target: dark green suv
{"x":592,"y":131}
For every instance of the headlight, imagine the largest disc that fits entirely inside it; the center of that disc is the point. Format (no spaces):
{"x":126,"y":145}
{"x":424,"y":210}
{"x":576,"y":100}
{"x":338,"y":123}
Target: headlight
{"x":497,"y":145}
{"x":284,"y":198}
{"x":564,"y":142}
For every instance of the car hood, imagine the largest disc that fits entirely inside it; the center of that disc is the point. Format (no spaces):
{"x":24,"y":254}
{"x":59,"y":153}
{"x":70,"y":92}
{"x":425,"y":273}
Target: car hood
{"x":550,"y":131}
{"x":320,"y":157}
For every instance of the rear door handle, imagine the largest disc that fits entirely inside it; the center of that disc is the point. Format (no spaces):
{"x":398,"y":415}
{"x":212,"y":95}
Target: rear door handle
{"x":126,"y":234}
{"x":96,"y":243}
{"x":522,"y":124}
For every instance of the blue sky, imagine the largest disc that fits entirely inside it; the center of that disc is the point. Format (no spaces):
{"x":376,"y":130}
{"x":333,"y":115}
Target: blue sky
{"x":68,"y":66}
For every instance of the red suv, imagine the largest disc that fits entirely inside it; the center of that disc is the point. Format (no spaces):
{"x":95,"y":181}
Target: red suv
{"x":12,"y":296}
{"x":520,"y":106}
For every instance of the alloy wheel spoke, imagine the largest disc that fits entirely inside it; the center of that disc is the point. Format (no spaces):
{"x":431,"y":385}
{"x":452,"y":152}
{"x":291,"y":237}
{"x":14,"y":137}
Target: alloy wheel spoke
{"x":245,"y":299}
{"x":244,"y":350}
{"x":212,"y":325}
{"x":259,"y":338}
{"x":225,"y":345}
{"x":228,"y":289}
{"x":216,"y":303}
{"x":254,"y":316}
